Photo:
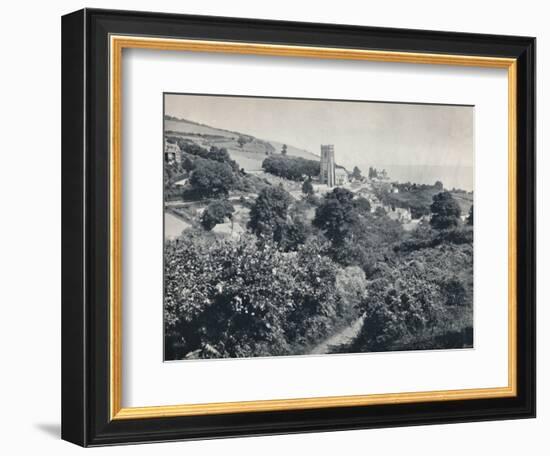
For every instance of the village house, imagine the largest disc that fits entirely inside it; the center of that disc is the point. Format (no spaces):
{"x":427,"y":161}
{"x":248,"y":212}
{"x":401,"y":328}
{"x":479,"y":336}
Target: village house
{"x":399,"y":214}
{"x":340,"y":176}
{"x":172,"y":153}
{"x":330,"y":174}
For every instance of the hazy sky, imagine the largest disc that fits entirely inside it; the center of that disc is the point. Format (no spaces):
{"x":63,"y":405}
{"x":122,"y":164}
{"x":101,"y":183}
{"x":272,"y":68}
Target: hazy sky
{"x":363,"y":133}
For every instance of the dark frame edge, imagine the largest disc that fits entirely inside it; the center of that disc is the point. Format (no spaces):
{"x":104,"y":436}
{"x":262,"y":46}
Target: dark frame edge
{"x":73,"y":304}
{"x":85,"y":360}
{"x":526,"y":211}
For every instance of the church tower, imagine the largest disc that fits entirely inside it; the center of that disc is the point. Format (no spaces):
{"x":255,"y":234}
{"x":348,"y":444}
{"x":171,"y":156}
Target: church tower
{"x":328,"y":175}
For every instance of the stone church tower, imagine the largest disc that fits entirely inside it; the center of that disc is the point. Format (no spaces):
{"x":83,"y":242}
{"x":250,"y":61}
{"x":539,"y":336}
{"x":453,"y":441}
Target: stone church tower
{"x":328,"y":175}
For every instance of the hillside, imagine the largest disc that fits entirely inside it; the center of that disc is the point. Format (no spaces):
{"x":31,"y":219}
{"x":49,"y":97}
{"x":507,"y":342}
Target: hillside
{"x":464,"y":200}
{"x":249,"y":156}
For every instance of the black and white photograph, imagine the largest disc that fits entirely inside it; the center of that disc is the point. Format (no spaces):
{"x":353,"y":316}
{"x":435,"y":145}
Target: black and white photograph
{"x":311,"y":227}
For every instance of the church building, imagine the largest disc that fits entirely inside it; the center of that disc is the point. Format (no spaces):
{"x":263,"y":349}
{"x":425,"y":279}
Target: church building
{"x":330,"y":174}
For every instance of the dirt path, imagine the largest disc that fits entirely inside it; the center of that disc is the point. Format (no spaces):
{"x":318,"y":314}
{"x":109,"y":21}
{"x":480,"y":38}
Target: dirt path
{"x":345,"y":336}
{"x":174,"y":225}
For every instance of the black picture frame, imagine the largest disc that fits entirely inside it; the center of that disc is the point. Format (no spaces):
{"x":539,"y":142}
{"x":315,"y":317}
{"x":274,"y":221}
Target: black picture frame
{"x":85,"y":228}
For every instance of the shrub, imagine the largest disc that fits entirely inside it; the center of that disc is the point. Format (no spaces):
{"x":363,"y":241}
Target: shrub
{"x":351,"y":286}
{"x":397,"y":307}
{"x":216,"y":212}
{"x":454,"y":291}
{"x":421,"y":297}
{"x":307,"y":187}
{"x":445,"y":211}
{"x":362,"y":205}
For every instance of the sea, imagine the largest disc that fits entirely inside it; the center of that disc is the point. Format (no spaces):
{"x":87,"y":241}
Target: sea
{"x":458,"y":177}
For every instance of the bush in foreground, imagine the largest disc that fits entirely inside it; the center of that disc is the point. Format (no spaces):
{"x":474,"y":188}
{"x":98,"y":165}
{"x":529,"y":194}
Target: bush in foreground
{"x":241,"y":299}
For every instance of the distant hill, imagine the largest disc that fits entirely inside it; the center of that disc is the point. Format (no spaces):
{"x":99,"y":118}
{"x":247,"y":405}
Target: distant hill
{"x":249,"y":156}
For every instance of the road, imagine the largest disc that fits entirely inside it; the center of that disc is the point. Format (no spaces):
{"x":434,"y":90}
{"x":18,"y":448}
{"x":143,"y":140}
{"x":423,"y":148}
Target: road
{"x":345,"y":336}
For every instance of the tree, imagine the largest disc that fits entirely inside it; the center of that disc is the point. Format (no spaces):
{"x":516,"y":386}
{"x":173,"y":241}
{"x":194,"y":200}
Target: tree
{"x":356,"y":174}
{"x":242,"y":141}
{"x":336,"y":215}
{"x":445,"y":211}
{"x":212,"y":177}
{"x":216,"y":212}
{"x":470,"y":219}
{"x":268,"y":216}
{"x":438,"y":185}
{"x":283,"y":150}
{"x":292,"y":168}
{"x":307,"y":187}
{"x":362,"y":205}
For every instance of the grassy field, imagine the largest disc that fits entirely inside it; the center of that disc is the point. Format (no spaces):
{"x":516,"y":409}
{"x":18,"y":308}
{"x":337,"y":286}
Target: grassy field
{"x":294,"y":151}
{"x":182,"y":126}
{"x":250,"y":161}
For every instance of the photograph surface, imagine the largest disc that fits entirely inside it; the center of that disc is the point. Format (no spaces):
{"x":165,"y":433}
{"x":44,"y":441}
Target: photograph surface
{"x":314,"y":227}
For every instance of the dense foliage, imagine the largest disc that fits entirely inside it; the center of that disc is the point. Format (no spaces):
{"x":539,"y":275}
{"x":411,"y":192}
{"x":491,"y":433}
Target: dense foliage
{"x":212,"y":178}
{"x":292,"y":168}
{"x":422,"y":299}
{"x":241,"y":299}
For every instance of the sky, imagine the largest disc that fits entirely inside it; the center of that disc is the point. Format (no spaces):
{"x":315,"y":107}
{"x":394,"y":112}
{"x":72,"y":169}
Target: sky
{"x":397,"y":135}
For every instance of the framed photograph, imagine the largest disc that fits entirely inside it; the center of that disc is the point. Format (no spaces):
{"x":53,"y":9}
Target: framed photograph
{"x":278,"y":227}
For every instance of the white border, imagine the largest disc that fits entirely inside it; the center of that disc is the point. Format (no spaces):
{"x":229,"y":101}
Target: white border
{"x":149,"y":381}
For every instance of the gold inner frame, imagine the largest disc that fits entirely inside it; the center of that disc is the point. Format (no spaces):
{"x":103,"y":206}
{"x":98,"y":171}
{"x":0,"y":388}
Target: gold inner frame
{"x":117,"y":44}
